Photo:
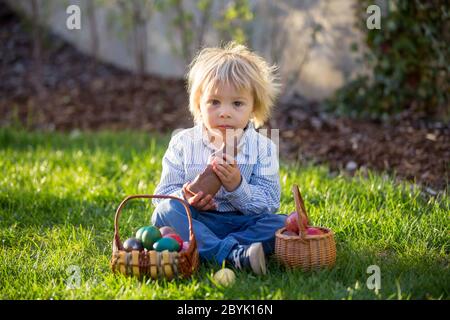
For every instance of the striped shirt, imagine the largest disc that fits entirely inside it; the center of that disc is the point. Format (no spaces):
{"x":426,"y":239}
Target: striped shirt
{"x":187,"y":156}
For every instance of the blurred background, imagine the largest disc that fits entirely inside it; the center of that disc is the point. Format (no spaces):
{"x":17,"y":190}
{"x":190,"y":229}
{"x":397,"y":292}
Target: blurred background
{"x":353,"y":98}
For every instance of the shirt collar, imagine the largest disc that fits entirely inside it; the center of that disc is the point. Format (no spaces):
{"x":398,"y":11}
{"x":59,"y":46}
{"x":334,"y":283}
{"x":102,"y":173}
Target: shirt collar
{"x":201,"y":133}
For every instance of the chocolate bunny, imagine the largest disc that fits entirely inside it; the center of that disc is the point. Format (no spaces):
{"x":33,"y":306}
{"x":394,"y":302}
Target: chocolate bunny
{"x":208,"y":181}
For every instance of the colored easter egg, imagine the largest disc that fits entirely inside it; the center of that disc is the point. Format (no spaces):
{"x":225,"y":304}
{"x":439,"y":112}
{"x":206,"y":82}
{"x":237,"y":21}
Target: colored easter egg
{"x":148,"y":235}
{"x":166,"y":244}
{"x":133,"y":244}
{"x":166,"y":230}
{"x":185,"y":246}
{"x":176,"y":237}
{"x":311,"y":231}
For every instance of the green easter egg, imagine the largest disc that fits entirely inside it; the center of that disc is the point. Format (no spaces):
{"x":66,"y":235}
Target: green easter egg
{"x":166,"y":244}
{"x":148,"y":235}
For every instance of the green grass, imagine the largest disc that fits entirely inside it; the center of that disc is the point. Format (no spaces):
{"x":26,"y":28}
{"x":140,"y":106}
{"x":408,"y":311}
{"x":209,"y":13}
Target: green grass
{"x":59,"y":193}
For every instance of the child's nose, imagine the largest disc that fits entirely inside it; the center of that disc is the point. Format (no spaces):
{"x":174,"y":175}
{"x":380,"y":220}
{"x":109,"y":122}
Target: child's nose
{"x":224,"y":112}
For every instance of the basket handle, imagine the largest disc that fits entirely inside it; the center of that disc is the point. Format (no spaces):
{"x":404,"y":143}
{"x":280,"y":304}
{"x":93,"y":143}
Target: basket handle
{"x":300,"y":208}
{"x":117,"y":244}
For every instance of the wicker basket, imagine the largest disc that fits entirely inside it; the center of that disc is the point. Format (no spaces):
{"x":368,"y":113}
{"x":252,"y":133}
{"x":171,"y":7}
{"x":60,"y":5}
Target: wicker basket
{"x":305,"y":251}
{"x":153,"y":264}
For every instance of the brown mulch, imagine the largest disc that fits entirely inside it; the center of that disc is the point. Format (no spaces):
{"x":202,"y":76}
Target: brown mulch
{"x":75,"y":91}
{"x":415,"y":150}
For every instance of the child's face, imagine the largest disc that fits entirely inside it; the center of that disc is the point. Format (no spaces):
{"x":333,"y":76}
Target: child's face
{"x":224,"y":107}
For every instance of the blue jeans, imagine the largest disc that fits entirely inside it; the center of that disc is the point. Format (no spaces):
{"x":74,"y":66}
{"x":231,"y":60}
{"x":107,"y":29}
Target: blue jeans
{"x":219,"y":233}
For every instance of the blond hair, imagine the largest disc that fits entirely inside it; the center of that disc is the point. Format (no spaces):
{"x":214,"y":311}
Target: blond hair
{"x":236,"y":65}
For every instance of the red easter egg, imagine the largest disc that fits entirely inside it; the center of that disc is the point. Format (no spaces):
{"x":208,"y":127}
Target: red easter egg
{"x":311,"y":231}
{"x":175,"y":237}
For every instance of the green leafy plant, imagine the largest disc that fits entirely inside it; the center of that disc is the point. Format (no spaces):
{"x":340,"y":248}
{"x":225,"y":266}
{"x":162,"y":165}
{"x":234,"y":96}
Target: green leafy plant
{"x":408,"y":58}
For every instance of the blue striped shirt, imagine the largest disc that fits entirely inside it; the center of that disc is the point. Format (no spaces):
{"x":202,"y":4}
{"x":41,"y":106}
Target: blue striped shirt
{"x":259,"y":191}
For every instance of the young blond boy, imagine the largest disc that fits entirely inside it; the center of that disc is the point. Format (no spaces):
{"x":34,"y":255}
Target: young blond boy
{"x":231,"y":91}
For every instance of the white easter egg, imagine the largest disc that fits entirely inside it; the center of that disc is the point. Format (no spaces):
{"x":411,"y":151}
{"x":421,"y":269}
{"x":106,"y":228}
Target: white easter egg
{"x":225,"y":277}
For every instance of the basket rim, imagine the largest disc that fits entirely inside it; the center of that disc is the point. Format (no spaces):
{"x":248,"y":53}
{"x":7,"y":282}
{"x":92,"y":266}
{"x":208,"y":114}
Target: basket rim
{"x":329,"y":233}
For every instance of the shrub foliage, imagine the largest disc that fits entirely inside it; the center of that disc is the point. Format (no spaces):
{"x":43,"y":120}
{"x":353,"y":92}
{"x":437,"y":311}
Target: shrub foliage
{"x":408,"y":59}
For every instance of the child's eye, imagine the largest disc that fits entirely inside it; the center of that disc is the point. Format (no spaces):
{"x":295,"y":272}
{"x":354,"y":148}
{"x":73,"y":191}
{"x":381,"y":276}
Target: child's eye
{"x":214,"y":102}
{"x":237,"y":103}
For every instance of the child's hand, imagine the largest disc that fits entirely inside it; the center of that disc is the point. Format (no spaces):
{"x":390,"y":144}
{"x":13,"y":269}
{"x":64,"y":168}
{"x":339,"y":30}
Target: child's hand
{"x":199,"y":201}
{"x":227,"y":171}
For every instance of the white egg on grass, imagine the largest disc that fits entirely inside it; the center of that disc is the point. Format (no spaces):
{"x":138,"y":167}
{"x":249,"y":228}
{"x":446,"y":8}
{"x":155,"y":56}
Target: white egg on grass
{"x":225,"y":277}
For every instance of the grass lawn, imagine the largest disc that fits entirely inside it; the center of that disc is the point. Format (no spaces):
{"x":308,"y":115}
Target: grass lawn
{"x":59,"y":193}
